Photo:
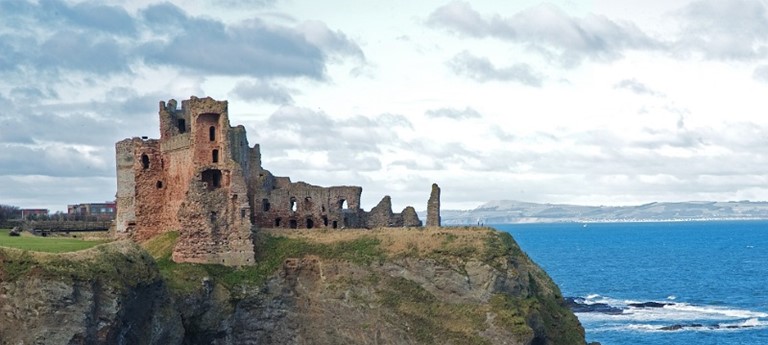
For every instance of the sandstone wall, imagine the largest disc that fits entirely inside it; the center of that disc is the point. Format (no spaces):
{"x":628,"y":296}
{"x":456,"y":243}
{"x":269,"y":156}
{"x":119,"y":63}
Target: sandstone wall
{"x":126,"y":187}
{"x":202,"y":179}
{"x":433,"y":207}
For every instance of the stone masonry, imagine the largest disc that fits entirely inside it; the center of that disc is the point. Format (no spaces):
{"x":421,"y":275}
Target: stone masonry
{"x":433,"y":207}
{"x":202,"y":179}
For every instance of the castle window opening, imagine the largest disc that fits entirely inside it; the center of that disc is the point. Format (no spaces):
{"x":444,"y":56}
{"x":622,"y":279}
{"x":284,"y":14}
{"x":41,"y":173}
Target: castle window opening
{"x":325,"y":221}
{"x":310,"y":223}
{"x":213,"y":217}
{"x":182,"y":125}
{"x":144,"y":161}
{"x":216,"y":156}
{"x":294,"y":207}
{"x":212,"y":178}
{"x":265,"y":205}
{"x":212,"y":133}
{"x":335,"y":224}
{"x":293,"y":224}
{"x":277,"y":222}
{"x":159,"y":184}
{"x":343,"y":204}
{"x":242,"y":213}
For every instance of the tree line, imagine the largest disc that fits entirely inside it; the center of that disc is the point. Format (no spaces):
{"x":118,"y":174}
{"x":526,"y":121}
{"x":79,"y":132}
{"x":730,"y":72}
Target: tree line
{"x":8,"y":212}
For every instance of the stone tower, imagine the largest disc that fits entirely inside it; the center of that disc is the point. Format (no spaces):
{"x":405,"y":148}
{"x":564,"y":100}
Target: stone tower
{"x":433,"y":207}
{"x":192,"y":181}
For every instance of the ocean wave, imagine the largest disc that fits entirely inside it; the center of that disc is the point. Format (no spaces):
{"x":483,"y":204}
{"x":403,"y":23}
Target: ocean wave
{"x":748,"y":324}
{"x":654,"y":315}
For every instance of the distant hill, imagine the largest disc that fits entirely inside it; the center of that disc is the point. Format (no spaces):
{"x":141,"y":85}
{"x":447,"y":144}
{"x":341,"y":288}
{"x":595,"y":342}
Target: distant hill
{"x":508,"y":211}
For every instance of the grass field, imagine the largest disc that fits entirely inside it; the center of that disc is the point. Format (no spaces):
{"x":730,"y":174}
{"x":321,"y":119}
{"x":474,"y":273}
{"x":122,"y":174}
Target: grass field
{"x":44,"y":244}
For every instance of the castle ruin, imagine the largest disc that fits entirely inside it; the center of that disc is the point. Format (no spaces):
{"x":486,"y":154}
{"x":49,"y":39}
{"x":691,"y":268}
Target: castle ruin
{"x":202,"y":179}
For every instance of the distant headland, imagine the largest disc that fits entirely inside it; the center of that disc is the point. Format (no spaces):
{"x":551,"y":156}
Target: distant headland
{"x":510,"y":212}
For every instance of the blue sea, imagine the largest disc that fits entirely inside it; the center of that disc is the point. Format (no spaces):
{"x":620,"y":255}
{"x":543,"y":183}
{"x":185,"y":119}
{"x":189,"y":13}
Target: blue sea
{"x":710,"y":279}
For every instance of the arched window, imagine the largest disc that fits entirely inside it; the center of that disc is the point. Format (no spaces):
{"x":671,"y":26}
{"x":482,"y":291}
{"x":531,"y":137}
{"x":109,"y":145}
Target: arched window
{"x":212,"y":133}
{"x":215,"y":156}
{"x":144,"y":161}
{"x":212,"y":178}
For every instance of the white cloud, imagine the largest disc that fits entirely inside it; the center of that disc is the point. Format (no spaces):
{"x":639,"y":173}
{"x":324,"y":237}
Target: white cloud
{"x":456,"y":114}
{"x":482,"y":70}
{"x":263,"y":91}
{"x":599,"y":103}
{"x":546,"y":28}
{"x":725,"y":29}
{"x":636,"y":87}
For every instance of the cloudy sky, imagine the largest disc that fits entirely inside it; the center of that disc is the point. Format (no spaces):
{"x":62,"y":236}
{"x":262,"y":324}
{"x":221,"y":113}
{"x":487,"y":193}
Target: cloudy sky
{"x":586,"y":102}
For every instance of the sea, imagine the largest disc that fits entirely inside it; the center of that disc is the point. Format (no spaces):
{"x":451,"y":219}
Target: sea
{"x":702,"y":282}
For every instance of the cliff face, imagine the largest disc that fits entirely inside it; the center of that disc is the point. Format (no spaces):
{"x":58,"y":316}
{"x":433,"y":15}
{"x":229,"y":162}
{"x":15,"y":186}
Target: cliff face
{"x":446,"y":286}
{"x":110,"y":294}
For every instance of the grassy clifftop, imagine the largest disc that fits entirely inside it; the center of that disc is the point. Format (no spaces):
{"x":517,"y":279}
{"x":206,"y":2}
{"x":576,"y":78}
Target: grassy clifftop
{"x":121,"y":263}
{"x":384,"y":286}
{"x":443,"y":285}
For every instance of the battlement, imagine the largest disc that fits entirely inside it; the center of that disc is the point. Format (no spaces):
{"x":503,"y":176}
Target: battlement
{"x":177,"y":142}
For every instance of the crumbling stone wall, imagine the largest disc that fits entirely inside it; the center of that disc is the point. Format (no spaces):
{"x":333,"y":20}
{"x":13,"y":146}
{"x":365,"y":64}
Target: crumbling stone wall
{"x":381,"y":215}
{"x":202,"y":179}
{"x":410,"y":217}
{"x":433,"y":207}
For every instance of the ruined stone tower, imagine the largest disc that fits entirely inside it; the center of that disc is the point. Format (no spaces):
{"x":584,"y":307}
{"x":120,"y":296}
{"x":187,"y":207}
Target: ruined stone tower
{"x":433,"y":207}
{"x":203,"y":180}
{"x":191,"y":180}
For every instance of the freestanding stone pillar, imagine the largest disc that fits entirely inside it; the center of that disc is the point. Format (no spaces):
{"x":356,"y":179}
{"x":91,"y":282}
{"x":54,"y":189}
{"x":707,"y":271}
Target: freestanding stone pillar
{"x":433,"y":207}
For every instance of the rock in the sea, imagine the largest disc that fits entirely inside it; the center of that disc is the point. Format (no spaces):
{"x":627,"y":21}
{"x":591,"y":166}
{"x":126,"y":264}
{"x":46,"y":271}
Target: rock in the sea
{"x":649,"y":305}
{"x":579,"y":305}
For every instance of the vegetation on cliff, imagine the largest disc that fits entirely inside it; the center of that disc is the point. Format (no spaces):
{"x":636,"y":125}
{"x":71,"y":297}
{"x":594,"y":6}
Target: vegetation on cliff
{"x":529,"y":308}
{"x":385,"y":286}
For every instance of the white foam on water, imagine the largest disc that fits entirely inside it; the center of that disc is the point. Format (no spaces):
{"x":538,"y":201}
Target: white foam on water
{"x":745,"y":325}
{"x":673,"y":313}
{"x":710,"y":312}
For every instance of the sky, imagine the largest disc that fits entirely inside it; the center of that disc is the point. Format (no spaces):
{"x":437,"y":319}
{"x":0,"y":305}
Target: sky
{"x":602,"y":102}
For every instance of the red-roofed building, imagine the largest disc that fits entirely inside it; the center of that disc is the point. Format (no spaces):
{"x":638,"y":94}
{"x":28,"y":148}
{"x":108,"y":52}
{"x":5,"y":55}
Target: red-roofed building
{"x":26,"y":212}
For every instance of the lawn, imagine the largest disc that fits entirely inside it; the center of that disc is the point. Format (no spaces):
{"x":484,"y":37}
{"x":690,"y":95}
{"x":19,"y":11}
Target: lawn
{"x":28,"y":241}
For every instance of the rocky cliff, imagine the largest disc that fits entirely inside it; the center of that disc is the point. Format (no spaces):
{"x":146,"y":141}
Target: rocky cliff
{"x":426,"y":286}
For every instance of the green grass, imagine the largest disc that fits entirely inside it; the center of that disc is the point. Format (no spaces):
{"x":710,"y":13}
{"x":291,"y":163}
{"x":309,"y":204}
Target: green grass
{"x":44,"y":244}
{"x":431,"y":320}
{"x":116,"y":265}
{"x":272,"y":252}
